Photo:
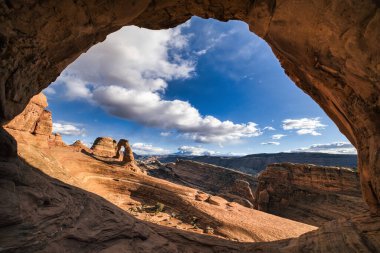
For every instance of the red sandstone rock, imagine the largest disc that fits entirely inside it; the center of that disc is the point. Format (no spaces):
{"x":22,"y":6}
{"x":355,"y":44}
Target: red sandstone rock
{"x":309,"y":193}
{"x":127,"y":155}
{"x":104,"y":146}
{"x":55,"y":139}
{"x":79,"y":146}
{"x":44,"y":125}
{"x":231,"y":184}
{"x":34,"y":118}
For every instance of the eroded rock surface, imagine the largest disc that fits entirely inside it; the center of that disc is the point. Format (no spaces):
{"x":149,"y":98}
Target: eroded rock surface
{"x":126,"y":155}
{"x":79,"y":146}
{"x":34,"y":119}
{"x":309,"y":193}
{"x":104,"y":146}
{"x":230,"y":184}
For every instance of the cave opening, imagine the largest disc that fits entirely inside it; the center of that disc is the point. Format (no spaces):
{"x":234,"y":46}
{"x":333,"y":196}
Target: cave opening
{"x":341,"y":80}
{"x":202,"y":85}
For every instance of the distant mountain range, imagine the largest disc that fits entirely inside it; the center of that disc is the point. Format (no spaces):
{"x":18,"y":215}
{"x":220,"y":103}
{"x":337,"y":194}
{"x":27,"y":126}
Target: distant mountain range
{"x":255,"y":163}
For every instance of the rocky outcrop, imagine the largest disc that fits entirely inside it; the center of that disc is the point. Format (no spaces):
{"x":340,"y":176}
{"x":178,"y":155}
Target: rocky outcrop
{"x":55,"y":139}
{"x":35,"y":123}
{"x":309,"y":193}
{"x":230,"y":184}
{"x":34,"y":119}
{"x":125,"y":155}
{"x":44,"y":125}
{"x":253,"y":164}
{"x":78,"y":145}
{"x":104,"y":146}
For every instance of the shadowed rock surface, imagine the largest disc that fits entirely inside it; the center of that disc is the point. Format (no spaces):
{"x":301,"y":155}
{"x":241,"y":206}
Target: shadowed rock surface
{"x":308,"y":193}
{"x":328,"y":48}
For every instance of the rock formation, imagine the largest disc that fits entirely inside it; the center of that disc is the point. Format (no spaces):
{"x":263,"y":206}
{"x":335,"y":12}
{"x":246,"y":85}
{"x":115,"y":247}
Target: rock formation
{"x":55,"y":139}
{"x":79,"y":146}
{"x":309,"y":193}
{"x":328,"y":48}
{"x":252,"y":164}
{"x":34,"y":119}
{"x":104,"y":146}
{"x":230,"y":184}
{"x":127,"y":155}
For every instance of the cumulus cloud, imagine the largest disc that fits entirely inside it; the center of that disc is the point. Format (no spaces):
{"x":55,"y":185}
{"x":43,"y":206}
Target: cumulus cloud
{"x":270,"y":143}
{"x":148,"y":149}
{"x":269,"y":128}
{"x":195,"y":151}
{"x":68,"y":129}
{"x":332,"y":148}
{"x":49,"y":91}
{"x":304,"y":125}
{"x":278,"y":136}
{"x":127,"y":76}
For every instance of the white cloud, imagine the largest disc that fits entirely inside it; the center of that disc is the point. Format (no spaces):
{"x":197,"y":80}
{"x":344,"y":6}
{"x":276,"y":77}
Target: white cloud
{"x":304,"y":125}
{"x":49,"y":91}
{"x":278,"y":136}
{"x":148,"y":149}
{"x":269,"y":128}
{"x":332,"y":148}
{"x":68,"y":129}
{"x":235,"y":154}
{"x":127,"y":74}
{"x":270,"y":143}
{"x":196,"y":151}
{"x":165,"y":134}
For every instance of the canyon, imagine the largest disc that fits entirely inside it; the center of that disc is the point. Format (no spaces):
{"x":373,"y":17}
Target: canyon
{"x":284,"y":201}
{"x":253,"y":164}
{"x":328,"y":48}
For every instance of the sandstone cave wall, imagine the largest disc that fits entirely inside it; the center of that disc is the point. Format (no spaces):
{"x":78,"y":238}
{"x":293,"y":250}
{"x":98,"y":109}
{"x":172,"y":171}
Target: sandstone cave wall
{"x":328,"y":48}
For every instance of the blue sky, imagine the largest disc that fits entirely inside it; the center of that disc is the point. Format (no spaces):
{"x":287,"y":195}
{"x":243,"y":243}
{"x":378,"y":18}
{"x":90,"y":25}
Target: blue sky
{"x":205,"y":87}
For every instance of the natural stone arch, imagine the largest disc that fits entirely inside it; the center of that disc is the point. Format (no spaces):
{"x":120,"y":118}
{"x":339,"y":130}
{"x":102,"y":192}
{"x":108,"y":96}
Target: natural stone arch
{"x":127,"y":156}
{"x":328,"y":48}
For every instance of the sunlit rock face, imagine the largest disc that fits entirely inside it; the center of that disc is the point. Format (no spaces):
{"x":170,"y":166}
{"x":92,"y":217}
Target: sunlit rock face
{"x":104,"y":146}
{"x":308,"y":193}
{"x":230,"y":184}
{"x":34,"y":119}
{"x":328,"y":48}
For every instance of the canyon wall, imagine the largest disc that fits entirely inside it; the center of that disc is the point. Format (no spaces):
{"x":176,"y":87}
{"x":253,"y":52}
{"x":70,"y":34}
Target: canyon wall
{"x":308,"y":193}
{"x":255,"y":163}
{"x":229,"y":184}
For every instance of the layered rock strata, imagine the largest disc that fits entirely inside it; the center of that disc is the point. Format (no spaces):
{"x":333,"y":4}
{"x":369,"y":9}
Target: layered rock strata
{"x":309,"y":193}
{"x":104,"y":146}
{"x":232,"y":185}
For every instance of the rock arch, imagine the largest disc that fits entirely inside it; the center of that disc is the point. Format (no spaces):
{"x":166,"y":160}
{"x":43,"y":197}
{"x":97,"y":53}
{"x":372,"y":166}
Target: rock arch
{"x":127,"y":157}
{"x":328,"y":48}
